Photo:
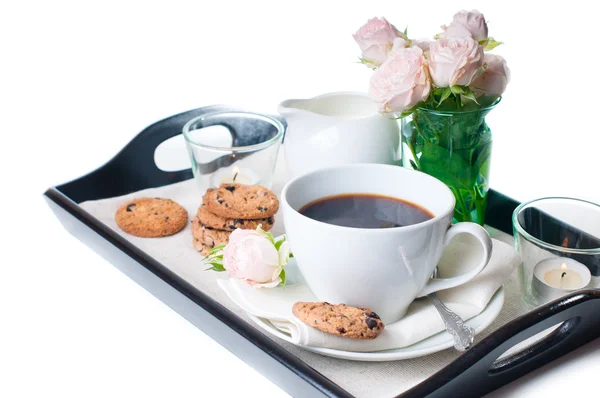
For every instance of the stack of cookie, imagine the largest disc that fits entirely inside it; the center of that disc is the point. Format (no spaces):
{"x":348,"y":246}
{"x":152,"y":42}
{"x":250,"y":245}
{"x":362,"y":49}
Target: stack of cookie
{"x":229,"y":207}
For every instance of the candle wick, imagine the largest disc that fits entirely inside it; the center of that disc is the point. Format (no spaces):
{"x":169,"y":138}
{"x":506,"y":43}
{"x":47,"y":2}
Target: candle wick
{"x":235,"y":176}
{"x":563,"y":274}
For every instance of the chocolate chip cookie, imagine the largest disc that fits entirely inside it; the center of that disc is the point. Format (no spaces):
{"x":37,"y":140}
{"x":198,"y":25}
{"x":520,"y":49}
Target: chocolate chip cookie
{"x":241,"y":201}
{"x":151,"y":217}
{"x":207,"y":236}
{"x":203,"y":249}
{"x":213,"y":221}
{"x":341,"y":319}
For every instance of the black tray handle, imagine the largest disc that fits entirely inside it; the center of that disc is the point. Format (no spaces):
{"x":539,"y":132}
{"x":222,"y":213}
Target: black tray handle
{"x":134,"y":165}
{"x":477,"y":372}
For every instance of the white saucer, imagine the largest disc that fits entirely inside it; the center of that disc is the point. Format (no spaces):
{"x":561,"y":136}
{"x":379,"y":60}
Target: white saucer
{"x":435,"y":343}
{"x":272,"y":308}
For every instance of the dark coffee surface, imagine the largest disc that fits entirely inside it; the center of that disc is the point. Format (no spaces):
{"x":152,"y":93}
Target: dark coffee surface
{"x":365,"y":211}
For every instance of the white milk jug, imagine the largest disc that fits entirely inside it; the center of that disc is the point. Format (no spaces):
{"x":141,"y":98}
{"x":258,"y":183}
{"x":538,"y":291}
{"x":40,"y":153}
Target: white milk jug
{"x":335,"y":129}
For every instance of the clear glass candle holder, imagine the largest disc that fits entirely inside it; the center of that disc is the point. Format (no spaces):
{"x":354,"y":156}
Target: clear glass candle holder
{"x":233,"y":147}
{"x":559,"y":243}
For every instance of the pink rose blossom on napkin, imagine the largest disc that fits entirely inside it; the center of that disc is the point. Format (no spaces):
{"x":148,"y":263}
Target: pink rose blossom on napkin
{"x":253,"y":257}
{"x":467,"y":24}
{"x":401,"y":82}
{"x":375,"y":39}
{"x":455,"y":61}
{"x":494,"y":79}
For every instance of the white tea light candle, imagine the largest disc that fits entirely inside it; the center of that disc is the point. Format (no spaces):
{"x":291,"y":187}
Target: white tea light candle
{"x":557,"y":276}
{"x":563,"y":278}
{"x":234,"y":175}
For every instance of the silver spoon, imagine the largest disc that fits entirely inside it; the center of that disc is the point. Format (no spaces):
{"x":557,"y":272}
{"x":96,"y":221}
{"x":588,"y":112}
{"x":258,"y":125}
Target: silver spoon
{"x":463,"y":335}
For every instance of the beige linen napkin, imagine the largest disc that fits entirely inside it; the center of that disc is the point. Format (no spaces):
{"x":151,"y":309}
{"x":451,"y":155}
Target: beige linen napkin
{"x":422,"y":319}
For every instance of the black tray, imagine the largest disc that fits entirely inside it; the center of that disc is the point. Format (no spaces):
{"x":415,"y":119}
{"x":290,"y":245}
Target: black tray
{"x":474,"y":373}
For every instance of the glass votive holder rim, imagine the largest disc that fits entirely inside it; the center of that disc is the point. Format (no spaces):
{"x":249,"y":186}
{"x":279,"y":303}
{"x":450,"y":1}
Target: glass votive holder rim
{"x":248,"y":148}
{"x":545,"y":244}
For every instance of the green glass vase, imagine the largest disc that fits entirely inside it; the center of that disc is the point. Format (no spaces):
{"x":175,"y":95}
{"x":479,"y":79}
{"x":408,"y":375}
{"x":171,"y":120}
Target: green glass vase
{"x":454,"y":147}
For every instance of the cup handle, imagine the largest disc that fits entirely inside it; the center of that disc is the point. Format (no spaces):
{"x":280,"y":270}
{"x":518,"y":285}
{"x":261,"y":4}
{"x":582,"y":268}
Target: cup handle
{"x":483,"y":237}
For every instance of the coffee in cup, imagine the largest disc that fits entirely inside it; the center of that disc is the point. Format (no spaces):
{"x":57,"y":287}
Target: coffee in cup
{"x":361,"y":210}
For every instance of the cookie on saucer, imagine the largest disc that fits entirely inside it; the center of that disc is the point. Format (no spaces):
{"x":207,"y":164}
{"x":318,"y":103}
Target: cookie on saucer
{"x":246,"y":202}
{"x":213,"y":221}
{"x":340,"y":320}
{"x":151,"y":217}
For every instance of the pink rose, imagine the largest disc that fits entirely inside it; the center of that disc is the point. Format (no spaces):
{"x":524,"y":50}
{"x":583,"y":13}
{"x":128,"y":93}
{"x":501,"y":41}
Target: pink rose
{"x":401,"y":82}
{"x":251,"y":256}
{"x":467,"y":24}
{"x":375,"y":39}
{"x":399,"y":44}
{"x":494,"y":79}
{"x":454,"y":61}
{"x":423,"y":44}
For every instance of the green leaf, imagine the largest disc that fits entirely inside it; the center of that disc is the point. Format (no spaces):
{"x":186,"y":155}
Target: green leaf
{"x":449,"y":168}
{"x":457,"y":90}
{"x":409,"y":111}
{"x":282,"y":276}
{"x":217,"y":266}
{"x":445,"y":93}
{"x":413,"y":164}
{"x":217,"y":248}
{"x":291,"y":255}
{"x":406,"y":31}
{"x":266,"y":234}
{"x":366,"y":62}
{"x":212,"y":258}
{"x":215,"y":253}
{"x":483,"y":158}
{"x":489,"y":43}
{"x":270,"y":237}
{"x":279,"y":243}
{"x":470,"y":95}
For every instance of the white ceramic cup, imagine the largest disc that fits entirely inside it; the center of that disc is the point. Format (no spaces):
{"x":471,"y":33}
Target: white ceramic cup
{"x":382,"y":269}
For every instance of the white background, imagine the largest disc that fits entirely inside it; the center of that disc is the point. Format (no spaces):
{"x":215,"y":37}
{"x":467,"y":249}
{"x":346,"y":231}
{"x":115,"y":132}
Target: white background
{"x":80,"y":79}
